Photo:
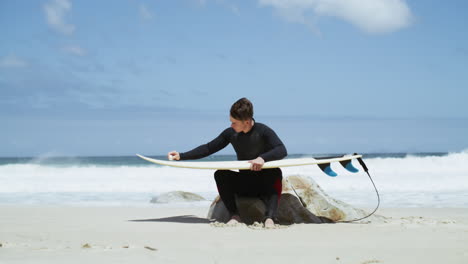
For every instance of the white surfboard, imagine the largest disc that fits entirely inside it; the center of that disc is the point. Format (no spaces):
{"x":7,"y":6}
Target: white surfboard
{"x":245,"y":165}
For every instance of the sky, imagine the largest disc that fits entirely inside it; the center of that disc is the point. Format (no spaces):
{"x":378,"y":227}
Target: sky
{"x":149,"y":76}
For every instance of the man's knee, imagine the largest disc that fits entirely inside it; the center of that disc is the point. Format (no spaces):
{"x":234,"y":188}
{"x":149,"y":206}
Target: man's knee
{"x":218,"y":175}
{"x":225,"y":177}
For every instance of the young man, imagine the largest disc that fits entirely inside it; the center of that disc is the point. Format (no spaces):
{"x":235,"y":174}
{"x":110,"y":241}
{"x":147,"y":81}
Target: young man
{"x":252,"y":141}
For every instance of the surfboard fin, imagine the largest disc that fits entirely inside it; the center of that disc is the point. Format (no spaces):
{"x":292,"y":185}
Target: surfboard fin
{"x":349,"y":166}
{"x":325,"y":167}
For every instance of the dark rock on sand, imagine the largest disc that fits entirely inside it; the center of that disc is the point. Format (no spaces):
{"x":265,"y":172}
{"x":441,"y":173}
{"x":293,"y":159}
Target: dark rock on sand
{"x":319,"y":207}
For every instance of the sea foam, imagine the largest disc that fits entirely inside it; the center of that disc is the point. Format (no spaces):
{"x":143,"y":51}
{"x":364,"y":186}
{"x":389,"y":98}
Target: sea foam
{"x":430,"y":181}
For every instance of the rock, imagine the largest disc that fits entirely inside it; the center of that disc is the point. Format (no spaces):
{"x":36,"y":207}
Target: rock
{"x":151,"y":248}
{"x":177,"y":196}
{"x":290,"y":211}
{"x":86,"y":245}
{"x":319,"y":207}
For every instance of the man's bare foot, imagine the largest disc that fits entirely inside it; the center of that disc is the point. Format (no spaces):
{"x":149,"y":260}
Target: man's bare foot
{"x":269,"y":223}
{"x":235,"y":219}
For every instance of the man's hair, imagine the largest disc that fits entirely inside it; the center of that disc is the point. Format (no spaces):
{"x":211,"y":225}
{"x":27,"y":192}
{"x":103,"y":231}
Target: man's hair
{"x":242,"y":109}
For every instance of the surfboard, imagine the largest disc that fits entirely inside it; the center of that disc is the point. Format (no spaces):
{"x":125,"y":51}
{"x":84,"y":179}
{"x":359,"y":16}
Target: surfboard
{"x":323,"y":163}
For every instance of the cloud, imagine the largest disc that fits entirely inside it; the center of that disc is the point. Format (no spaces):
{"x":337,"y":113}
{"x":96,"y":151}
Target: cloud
{"x":234,"y":9}
{"x":11,"y":61}
{"x":372,"y":16}
{"x":224,"y":3}
{"x":201,"y":2}
{"x":55,"y":11}
{"x":145,"y":13}
{"x":62,"y":87}
{"x":74,"y":50}
{"x":169,"y":59}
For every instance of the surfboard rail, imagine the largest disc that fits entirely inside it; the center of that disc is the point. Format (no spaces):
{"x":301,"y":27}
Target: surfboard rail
{"x":245,"y":165}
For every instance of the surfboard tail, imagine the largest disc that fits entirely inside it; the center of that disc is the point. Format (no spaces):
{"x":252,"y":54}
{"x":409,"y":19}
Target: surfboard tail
{"x":326,"y":167}
{"x":347,"y":164}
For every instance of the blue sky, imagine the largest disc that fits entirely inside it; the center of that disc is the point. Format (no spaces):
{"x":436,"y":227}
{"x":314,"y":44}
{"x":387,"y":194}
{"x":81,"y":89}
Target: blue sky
{"x":120,"y":77}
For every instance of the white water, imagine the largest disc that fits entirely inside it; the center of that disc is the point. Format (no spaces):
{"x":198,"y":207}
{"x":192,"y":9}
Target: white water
{"x":430,"y":181}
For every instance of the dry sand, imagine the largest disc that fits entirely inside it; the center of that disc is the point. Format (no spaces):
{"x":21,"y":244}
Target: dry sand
{"x":38,"y":234}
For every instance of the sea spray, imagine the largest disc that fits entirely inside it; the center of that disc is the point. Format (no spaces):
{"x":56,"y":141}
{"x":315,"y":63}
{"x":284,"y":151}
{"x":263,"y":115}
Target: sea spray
{"x":430,"y":180}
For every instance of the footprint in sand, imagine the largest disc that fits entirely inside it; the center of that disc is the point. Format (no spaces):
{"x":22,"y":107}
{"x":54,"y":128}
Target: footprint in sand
{"x":371,"y":261}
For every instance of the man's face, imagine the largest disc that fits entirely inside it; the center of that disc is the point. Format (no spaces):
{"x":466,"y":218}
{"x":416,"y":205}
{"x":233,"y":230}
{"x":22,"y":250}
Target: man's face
{"x":238,"y":125}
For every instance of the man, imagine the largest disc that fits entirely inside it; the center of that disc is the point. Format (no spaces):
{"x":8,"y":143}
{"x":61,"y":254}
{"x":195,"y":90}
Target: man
{"x":254,"y":142}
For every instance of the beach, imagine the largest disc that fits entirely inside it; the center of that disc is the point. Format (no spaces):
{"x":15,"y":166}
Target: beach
{"x":68,"y":234}
{"x":101,"y":210}
{"x":367,"y":100}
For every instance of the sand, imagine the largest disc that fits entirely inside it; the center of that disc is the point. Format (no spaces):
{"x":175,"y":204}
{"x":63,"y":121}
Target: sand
{"x":45,"y":234}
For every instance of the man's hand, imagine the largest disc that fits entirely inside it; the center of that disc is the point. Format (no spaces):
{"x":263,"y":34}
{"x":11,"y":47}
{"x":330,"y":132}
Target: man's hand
{"x":173,"y":155}
{"x":257,"y":164}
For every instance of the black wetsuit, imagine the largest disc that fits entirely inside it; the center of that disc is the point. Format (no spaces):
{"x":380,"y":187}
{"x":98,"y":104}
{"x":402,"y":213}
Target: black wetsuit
{"x":260,"y":141}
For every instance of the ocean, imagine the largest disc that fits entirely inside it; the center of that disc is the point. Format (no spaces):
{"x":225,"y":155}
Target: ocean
{"x":403,"y":180}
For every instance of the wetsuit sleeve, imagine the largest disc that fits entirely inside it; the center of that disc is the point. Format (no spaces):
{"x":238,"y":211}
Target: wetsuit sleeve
{"x":209,"y":148}
{"x":277,"y":149}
